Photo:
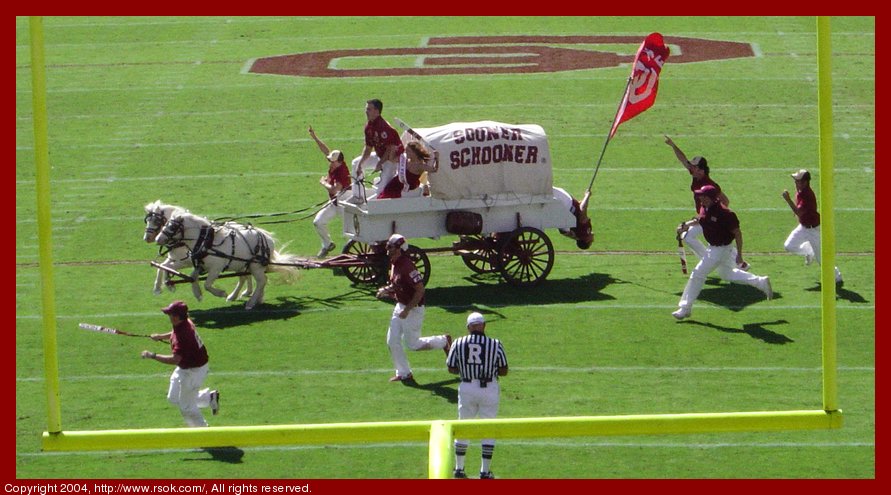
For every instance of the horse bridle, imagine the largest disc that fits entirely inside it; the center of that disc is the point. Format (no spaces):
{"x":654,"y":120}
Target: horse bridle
{"x":174,"y":226}
{"x":153,"y":222}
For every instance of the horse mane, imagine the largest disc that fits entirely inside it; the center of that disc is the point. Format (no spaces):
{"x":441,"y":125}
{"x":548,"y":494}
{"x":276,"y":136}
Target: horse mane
{"x":169,"y":211}
{"x":229,"y":225}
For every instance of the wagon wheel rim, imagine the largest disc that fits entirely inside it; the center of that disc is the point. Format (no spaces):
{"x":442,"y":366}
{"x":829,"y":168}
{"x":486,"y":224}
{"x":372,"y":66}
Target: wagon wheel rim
{"x":370,"y":271}
{"x":421,"y":261}
{"x":526,"y":257}
{"x":483,"y":261}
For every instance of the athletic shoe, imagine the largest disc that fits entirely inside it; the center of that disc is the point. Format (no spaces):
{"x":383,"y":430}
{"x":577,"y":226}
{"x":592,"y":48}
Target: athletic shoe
{"x":808,"y":259}
{"x":325,"y":250}
{"x":215,"y":401}
{"x":459,"y":474}
{"x":406,"y":378}
{"x":448,"y":344}
{"x":487,"y":476}
{"x":764,"y":286}
{"x":681,"y":313}
{"x":839,"y":283}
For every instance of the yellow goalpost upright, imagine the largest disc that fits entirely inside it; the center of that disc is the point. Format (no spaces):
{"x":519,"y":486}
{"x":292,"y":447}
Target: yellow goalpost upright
{"x":439,"y":433}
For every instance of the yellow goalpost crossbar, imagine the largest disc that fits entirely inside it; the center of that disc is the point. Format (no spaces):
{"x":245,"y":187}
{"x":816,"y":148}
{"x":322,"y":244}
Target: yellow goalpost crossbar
{"x":439,"y":433}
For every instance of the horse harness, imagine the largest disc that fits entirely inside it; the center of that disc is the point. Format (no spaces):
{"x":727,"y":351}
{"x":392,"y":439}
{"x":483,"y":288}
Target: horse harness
{"x":205,"y":246}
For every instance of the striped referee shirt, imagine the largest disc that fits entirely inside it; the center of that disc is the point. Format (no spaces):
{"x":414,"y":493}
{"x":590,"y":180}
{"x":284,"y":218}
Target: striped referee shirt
{"x":477,"y":357}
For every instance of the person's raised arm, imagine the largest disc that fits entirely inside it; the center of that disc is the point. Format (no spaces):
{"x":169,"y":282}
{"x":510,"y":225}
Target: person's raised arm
{"x":678,"y":153}
{"x":322,"y":146}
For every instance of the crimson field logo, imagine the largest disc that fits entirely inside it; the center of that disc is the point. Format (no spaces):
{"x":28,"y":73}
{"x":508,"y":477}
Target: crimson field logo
{"x":494,"y":55}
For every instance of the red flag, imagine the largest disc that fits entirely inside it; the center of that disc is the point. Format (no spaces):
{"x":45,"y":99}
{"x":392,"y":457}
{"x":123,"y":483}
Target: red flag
{"x":640,"y":93}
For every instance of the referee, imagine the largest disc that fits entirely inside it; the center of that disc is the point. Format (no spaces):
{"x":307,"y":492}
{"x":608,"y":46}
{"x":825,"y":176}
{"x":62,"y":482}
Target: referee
{"x":479,"y":361}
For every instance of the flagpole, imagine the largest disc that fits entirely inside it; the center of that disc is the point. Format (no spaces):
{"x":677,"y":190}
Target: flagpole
{"x":603,"y":151}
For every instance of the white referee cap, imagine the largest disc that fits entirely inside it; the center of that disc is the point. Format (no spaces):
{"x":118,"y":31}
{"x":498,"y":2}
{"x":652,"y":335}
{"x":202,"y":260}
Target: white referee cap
{"x":475,"y":318}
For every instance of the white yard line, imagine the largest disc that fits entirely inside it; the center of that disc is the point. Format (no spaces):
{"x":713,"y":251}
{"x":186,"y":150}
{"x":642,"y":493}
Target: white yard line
{"x":517,"y":369}
{"x":546,"y":307}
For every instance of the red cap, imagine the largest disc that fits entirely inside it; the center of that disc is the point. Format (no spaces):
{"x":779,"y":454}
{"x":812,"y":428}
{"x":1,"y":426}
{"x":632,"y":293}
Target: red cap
{"x":707,"y":190}
{"x":176,"y":307}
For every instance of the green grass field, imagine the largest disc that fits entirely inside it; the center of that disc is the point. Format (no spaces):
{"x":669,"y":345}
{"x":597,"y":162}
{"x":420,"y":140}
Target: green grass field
{"x":163,"y":108}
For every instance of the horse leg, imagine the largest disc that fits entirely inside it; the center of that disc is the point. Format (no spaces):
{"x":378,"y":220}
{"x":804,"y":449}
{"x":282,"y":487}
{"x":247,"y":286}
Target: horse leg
{"x":196,"y":289}
{"x":208,"y":283}
{"x":173,"y":263}
{"x":249,"y":290}
{"x":259,"y":273}
{"x":234,"y":294}
{"x":160,"y":278}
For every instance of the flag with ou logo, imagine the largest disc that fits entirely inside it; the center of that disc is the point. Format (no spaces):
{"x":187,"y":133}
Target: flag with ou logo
{"x":640,"y":92}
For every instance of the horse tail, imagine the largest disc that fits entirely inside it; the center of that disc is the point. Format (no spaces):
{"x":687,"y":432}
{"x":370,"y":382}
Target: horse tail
{"x":285,"y":264}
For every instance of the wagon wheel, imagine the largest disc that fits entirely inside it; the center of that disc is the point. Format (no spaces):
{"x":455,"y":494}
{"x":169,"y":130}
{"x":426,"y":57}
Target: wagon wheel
{"x":421,"y":261}
{"x":371,"y":266}
{"x":481,"y":260}
{"x":527,"y":257}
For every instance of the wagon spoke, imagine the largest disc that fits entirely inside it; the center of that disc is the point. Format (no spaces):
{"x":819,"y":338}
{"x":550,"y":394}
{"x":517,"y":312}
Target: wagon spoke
{"x":366,"y":266}
{"x":527,"y":257}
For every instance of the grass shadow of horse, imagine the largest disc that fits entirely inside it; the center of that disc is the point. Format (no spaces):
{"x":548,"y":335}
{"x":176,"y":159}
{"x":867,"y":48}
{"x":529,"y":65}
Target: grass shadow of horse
{"x":284,"y":308}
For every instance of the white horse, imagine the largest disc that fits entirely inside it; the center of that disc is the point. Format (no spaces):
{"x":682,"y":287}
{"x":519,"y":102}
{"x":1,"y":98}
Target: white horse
{"x":216,"y":248}
{"x":156,"y":216}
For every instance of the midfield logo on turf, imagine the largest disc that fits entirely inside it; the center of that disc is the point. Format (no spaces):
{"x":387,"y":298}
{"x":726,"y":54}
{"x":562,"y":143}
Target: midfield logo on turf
{"x":492,"y":55}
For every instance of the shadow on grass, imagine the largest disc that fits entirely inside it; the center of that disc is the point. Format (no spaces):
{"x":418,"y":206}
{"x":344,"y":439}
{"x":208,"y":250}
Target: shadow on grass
{"x":491,"y":291}
{"x":757,"y":330}
{"x":230,"y":455}
{"x":283,"y":308}
{"x":842,"y":293}
{"x":735,"y":297}
{"x":438,"y":388}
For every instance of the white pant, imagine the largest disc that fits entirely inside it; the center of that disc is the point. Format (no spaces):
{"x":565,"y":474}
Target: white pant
{"x":184,"y":392}
{"x":722,"y":259}
{"x":693,"y":242}
{"x":806,"y":242}
{"x":326,"y":214}
{"x":409,"y":332}
{"x":478,"y":402}
{"x":388,"y":171}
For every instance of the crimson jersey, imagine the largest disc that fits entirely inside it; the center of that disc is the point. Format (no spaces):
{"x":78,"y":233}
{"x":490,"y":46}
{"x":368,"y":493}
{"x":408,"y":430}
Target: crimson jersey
{"x":403,"y":277}
{"x":806,"y":202}
{"x":581,"y":229}
{"x":185,"y":342}
{"x":718,"y":224}
{"x":394,"y":188}
{"x":340,"y":175}
{"x":379,"y":134}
